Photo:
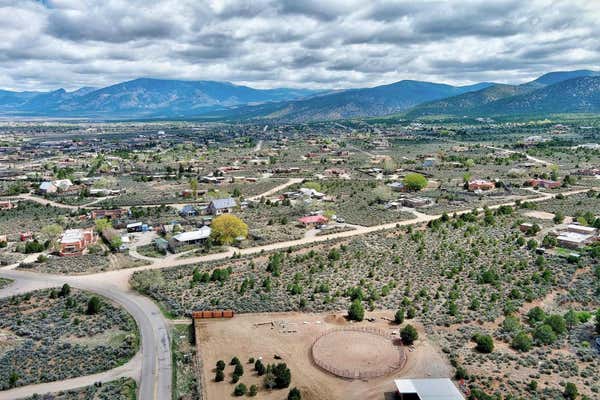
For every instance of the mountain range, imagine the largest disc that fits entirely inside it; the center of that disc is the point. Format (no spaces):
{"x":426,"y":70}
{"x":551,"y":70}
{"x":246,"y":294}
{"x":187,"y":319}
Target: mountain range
{"x":554,"y":92}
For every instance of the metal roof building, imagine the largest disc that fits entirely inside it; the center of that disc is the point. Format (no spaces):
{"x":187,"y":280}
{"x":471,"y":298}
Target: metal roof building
{"x":427,"y":389}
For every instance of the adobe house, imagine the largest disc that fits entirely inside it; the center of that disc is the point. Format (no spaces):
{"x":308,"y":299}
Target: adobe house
{"x":75,"y":241}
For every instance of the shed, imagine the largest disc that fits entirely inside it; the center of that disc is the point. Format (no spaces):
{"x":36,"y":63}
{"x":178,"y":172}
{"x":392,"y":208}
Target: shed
{"x":427,"y":389}
{"x":188,"y":211}
{"x":134,"y":227}
{"x":161,"y":244}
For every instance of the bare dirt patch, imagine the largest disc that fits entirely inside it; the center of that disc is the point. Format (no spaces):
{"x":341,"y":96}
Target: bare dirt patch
{"x":290,"y":336}
{"x":358,"y":353}
{"x":539,"y":215}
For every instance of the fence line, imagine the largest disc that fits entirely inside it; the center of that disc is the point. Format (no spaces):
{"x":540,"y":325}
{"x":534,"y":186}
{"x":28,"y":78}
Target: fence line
{"x":357,"y":373}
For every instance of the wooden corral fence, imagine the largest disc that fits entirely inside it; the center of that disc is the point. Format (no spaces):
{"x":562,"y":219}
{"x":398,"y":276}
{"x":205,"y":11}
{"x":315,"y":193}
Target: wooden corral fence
{"x":212,"y":314}
{"x":354,"y":373}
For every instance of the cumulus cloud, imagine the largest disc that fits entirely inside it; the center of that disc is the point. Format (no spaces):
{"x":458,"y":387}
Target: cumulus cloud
{"x":48,"y":44}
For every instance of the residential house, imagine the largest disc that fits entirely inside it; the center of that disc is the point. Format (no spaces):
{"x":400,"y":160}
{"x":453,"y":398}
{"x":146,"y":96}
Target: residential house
{"x":397,"y":186}
{"x":7,"y":205}
{"x":188,"y":211}
{"x":576,"y":236}
{"x":221,"y":206}
{"x":161,"y":244}
{"x":25,"y":236}
{"x":416,"y":202}
{"x":134,"y":227}
{"x":429,"y":162}
{"x":63,"y":185}
{"x":525,"y":227}
{"x":117,"y":213}
{"x":480,"y":184}
{"x":313,"y":220}
{"x":75,"y":241}
{"x":188,"y":238}
{"x":544,"y":183}
{"x":47,"y":187}
{"x":311,"y":193}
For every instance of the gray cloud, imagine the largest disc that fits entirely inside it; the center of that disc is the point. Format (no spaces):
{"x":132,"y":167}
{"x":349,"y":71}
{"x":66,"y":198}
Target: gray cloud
{"x":311,"y":43}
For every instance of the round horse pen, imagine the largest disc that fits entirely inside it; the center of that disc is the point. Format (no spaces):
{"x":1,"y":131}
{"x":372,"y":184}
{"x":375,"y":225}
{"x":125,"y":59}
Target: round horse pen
{"x":358,"y":353}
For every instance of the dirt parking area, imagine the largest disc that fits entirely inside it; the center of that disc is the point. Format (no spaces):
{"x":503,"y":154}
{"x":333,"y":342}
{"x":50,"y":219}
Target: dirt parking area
{"x":290,"y":336}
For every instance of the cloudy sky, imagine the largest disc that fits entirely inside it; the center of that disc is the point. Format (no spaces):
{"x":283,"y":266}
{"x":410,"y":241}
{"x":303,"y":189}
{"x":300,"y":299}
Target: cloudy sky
{"x":49,"y":44}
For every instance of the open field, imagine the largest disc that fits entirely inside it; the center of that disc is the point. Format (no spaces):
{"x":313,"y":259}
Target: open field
{"x":47,"y":336}
{"x":84,"y":264}
{"x":290,"y":336}
{"x":122,"y":389}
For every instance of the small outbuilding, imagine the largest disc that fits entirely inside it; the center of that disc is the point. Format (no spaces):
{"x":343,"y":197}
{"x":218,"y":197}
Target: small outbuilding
{"x":427,"y":389}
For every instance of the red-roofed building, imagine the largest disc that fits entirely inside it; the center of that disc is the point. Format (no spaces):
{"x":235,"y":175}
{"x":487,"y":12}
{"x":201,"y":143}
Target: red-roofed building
{"x":545,"y":183}
{"x":313,"y":220}
{"x":480,"y":184}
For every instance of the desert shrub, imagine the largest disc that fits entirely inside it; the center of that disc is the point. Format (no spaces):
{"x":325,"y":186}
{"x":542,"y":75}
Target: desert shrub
{"x":409,"y":334}
{"x":356,"y":312}
{"x":522,"y":342}
{"x":485,"y":343}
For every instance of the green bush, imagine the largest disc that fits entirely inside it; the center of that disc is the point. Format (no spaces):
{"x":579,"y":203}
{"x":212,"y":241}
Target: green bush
{"x":485,"y":343}
{"x":356,"y":312}
{"x":93,"y":306}
{"x":294,"y":394}
{"x":399,"y":316}
{"x":409,"y":334}
{"x":522,"y":342}
{"x":240,"y":390}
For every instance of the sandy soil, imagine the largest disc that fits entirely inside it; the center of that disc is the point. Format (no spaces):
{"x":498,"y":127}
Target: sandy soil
{"x":539,"y":215}
{"x":290,"y":336}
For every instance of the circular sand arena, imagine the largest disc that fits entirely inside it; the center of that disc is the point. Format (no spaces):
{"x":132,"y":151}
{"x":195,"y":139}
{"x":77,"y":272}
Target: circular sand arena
{"x":357,"y":353}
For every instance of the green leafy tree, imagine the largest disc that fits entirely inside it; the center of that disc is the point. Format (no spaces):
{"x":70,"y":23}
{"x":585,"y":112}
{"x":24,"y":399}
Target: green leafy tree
{"x":485,"y":343}
{"x":557,"y":323}
{"x":283,"y":375}
{"x":571,"y":392}
{"x":65,"y":290}
{"x":238,"y":370}
{"x":544,"y":334}
{"x":356,"y":312}
{"x":409,"y":334}
{"x":259,"y":367}
{"x":253,"y":391}
{"x":227,"y":227}
{"x":522,"y":342}
{"x":240,"y":390}
{"x":535,"y":315}
{"x":219,"y":375}
{"x":294,"y":394}
{"x":399,"y":316}
{"x":415,"y":181}
{"x":93,"y":306}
